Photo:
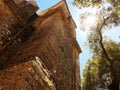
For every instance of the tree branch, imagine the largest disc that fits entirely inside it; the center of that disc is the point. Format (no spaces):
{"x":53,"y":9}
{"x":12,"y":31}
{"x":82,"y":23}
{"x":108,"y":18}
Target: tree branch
{"x":102,"y":46}
{"x":106,"y":55}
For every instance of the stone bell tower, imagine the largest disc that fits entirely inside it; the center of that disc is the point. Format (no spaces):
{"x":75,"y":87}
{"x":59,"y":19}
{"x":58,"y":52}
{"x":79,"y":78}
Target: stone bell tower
{"x":38,"y":51}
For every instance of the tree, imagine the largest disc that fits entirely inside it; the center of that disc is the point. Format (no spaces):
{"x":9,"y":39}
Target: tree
{"x":89,"y":3}
{"x":105,"y":17}
{"x":90,"y":75}
{"x":97,"y":73}
{"x":109,"y":14}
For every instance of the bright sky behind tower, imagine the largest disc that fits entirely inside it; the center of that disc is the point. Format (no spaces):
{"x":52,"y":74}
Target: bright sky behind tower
{"x":80,"y":35}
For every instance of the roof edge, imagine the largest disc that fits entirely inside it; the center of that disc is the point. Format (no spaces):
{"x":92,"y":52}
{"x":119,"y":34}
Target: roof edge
{"x":63,"y":5}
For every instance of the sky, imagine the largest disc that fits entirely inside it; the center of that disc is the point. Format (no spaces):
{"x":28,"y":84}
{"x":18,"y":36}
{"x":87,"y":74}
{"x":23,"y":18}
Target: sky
{"x":81,"y":36}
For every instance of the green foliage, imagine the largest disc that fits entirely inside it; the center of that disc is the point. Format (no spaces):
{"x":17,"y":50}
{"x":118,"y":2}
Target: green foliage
{"x":93,"y":42}
{"x":109,"y":14}
{"x":97,"y":67}
{"x":86,"y":3}
{"x":91,"y":74}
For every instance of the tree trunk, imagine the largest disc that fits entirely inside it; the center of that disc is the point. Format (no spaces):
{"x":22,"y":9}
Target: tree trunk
{"x":114,"y":85}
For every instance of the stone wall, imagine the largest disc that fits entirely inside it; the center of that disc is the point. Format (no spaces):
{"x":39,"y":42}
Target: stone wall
{"x":13,"y":22}
{"x":30,"y":75}
{"x":47,"y":56}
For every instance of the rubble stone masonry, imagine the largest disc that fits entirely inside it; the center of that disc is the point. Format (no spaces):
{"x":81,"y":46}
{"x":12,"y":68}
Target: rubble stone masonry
{"x":37,"y":51}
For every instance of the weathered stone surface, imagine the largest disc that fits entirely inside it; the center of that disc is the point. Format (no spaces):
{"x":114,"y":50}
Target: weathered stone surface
{"x":15,"y":17}
{"x":51,"y":37}
{"x":30,"y":75}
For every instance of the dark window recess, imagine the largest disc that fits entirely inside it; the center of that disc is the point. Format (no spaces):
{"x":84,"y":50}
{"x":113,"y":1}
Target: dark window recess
{"x":62,"y":49}
{"x":26,"y":33}
{"x":33,"y":17}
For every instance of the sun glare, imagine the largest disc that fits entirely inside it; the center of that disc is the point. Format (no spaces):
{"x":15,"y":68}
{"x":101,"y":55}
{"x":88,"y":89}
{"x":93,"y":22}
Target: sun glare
{"x":91,"y":21}
{"x":90,"y":18}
